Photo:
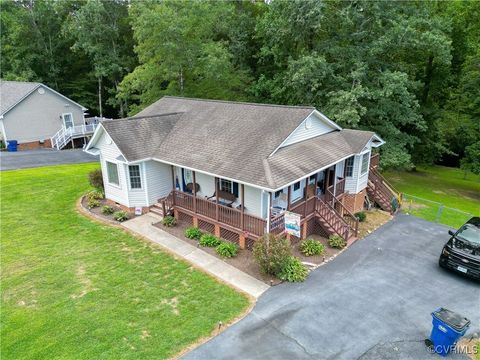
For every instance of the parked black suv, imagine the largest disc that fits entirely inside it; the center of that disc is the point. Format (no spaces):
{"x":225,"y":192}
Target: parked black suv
{"x":462,"y":252}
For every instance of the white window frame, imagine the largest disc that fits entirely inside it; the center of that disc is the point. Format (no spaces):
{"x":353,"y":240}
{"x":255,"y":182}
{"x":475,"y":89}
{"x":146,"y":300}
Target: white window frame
{"x":63,"y":118}
{"x":108,"y":175}
{"x":346,"y":166}
{"x":227,"y":184}
{"x":367,"y":155}
{"x":139,"y":176}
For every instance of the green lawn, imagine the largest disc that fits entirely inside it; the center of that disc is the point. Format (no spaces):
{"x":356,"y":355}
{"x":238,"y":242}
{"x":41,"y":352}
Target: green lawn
{"x":438,"y":184}
{"x":75,"y":289}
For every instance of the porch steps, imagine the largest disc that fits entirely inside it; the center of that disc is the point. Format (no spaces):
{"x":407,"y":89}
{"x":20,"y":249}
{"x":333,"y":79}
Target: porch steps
{"x":157,"y":209}
{"x":381,"y":192}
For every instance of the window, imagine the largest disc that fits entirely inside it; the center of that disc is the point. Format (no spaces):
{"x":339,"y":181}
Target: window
{"x":112,"y":173}
{"x":226,"y":185}
{"x":135,"y":179}
{"x":296,"y":186}
{"x":365,"y":163}
{"x":349,"y":166}
{"x":277,"y":193}
{"x":311,"y":180}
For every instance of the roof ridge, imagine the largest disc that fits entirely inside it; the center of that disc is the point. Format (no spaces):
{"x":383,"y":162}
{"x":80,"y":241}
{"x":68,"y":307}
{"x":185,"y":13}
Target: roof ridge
{"x":241,"y":102}
{"x":143,"y":117}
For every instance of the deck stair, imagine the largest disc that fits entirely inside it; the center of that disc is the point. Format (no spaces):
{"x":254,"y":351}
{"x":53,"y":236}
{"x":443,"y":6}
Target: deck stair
{"x":382,"y":192}
{"x":65,"y":135}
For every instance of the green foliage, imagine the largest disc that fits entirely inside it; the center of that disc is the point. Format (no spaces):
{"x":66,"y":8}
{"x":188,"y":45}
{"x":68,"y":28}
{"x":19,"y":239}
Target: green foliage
{"x":169,"y":221}
{"x":120,"y":216}
{"x":227,"y":249}
{"x":471,"y":161}
{"x":107,"y":210}
{"x":209,"y":240}
{"x":361,"y":216}
{"x":337,"y":242}
{"x":96,"y":179}
{"x":292,"y":270}
{"x":312,"y":247}
{"x":193,"y":233}
{"x":270,"y":251}
{"x":95,"y":195}
{"x":93,"y":203}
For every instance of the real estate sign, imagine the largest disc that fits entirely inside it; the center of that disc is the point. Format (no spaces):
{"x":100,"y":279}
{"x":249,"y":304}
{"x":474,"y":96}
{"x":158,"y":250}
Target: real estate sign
{"x":292,"y":223}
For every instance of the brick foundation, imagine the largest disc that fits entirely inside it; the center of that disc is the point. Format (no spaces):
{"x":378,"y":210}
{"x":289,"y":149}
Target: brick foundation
{"x":130,"y":210}
{"x":35,"y":145}
{"x":354,"y":202}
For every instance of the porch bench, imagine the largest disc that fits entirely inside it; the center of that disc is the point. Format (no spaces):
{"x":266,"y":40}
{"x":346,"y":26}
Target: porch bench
{"x":227,"y":197}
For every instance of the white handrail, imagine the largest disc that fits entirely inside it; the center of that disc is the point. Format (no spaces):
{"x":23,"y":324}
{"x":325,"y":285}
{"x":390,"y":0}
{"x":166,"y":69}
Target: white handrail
{"x":64,"y":135}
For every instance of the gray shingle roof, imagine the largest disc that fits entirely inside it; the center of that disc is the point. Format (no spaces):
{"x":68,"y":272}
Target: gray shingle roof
{"x":231,"y":139}
{"x":11,"y":92}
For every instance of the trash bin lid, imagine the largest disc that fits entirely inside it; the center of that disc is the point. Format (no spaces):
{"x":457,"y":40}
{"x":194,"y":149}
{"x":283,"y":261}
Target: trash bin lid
{"x":452,"y":319}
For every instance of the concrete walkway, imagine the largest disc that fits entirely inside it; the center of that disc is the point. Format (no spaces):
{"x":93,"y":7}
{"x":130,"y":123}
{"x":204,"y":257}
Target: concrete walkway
{"x":142,"y":225}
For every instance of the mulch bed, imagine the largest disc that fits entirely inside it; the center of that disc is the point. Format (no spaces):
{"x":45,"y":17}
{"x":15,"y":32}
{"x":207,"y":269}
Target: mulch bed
{"x":375,"y":219}
{"x":245,"y":261}
{"x":97,"y":211}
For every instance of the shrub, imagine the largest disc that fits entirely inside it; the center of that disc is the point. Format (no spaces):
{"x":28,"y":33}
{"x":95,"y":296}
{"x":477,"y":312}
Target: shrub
{"x":93,"y":203}
{"x":227,"y":249}
{"x":169,"y":221}
{"x":107,"y":210}
{"x":292,"y":270}
{"x":311,"y":247}
{"x":95,"y":195}
{"x":95,"y":178}
{"x":120,"y":215}
{"x":361,"y":216}
{"x":209,"y":240}
{"x":193,"y":233}
{"x":337,"y":242}
{"x":270,"y":251}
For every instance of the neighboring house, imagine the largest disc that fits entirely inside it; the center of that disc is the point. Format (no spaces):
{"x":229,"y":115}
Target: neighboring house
{"x":234,"y":168}
{"x":38,"y":116}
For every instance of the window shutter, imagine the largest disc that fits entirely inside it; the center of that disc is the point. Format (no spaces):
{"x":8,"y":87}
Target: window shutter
{"x":235,"y":189}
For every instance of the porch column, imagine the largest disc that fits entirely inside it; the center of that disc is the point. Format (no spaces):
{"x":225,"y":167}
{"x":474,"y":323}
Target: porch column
{"x":174,"y":186}
{"x":216,"y":198}
{"x":269,"y":213}
{"x":334,"y":184}
{"x":305,"y":198}
{"x":289,"y":197}
{"x":316,"y":185}
{"x":242,"y":207}
{"x":194,"y":192}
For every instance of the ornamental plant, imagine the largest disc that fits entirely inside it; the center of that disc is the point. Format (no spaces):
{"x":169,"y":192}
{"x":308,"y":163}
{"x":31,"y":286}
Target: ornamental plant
{"x":169,"y":221}
{"x":312,"y":247}
{"x":209,"y":240}
{"x":227,"y":249}
{"x":120,"y":216}
{"x":292,"y":270}
{"x":270,"y":251}
{"x":93,"y":203}
{"x":193,"y":233}
{"x":95,"y":178}
{"x":107,"y":210}
{"x":337,"y":242}
{"x":361,"y":216}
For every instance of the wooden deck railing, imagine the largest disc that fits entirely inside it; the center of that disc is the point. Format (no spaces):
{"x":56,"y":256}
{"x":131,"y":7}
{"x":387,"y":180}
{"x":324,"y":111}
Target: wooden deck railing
{"x":208,"y":209}
{"x":349,"y":218}
{"x":374,"y":161}
{"x":328,"y":213}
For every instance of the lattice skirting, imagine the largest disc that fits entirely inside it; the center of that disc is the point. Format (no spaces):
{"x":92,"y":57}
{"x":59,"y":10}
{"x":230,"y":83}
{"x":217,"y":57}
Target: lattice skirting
{"x":185,"y":218}
{"x":249,"y":243}
{"x":206,"y":226}
{"x":229,"y":235}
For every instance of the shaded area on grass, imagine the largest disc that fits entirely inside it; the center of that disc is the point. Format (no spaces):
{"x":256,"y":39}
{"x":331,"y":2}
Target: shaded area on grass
{"x":73,"y":288}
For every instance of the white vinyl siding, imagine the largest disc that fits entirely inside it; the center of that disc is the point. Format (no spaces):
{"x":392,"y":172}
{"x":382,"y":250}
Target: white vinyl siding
{"x":158,"y":177}
{"x":363,"y":175}
{"x":309,"y":128}
{"x":351,"y":181}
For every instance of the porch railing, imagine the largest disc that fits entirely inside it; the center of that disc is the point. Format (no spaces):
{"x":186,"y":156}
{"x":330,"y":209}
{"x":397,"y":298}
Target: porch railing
{"x":329,"y":214}
{"x":215,"y":212}
{"x":64,"y":135}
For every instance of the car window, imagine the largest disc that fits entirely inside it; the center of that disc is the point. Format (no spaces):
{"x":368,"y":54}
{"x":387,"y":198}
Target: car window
{"x":470,"y":233}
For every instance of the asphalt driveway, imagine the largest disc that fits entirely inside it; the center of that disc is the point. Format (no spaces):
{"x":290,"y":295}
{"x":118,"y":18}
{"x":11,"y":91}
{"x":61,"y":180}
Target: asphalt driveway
{"x":373,"y":302}
{"x":42,"y":157}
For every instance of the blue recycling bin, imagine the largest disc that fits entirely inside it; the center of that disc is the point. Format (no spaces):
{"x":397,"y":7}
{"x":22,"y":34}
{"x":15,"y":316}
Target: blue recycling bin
{"x":12,"y":145}
{"x":448,"y":327}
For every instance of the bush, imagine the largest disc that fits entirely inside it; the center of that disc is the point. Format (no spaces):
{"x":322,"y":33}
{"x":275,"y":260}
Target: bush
{"x":107,"y":210}
{"x":312,"y":247}
{"x":227,"y":249}
{"x":292,"y":270}
{"x":337,"y":242}
{"x":93,"y":203}
{"x":209,"y":240}
{"x":169,"y":221}
{"x":95,"y":178}
{"x":270,"y":251}
{"x":120,"y":215}
{"x":193,"y":233}
{"x":95,"y":195}
{"x":361,"y":216}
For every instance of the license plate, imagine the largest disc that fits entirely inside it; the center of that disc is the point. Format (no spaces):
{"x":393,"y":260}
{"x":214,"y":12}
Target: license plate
{"x":462,"y":269}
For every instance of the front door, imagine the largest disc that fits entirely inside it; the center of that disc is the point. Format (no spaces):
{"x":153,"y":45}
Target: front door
{"x":68,"y":120}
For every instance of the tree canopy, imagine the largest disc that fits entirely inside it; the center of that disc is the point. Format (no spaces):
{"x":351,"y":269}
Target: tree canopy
{"x":409,"y":71}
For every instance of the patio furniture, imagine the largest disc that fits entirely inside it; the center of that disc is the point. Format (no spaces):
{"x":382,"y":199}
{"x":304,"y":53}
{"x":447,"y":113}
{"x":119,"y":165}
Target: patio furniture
{"x":224,"y":198}
{"x":190,"y":187}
